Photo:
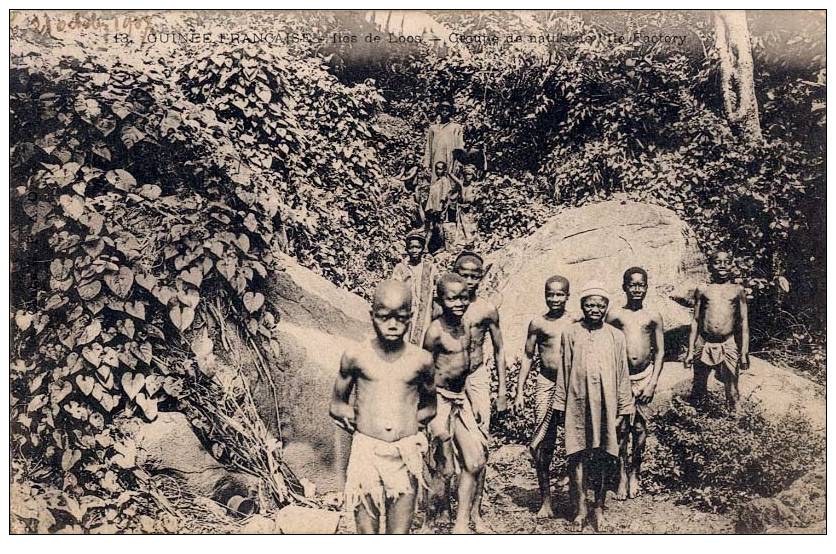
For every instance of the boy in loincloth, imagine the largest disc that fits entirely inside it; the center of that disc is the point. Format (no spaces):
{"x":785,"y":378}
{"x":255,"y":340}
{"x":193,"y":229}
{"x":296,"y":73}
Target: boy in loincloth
{"x":719,"y":338}
{"x":395,"y":398}
{"x":436,"y":207}
{"x":543,"y":338}
{"x":593,"y":397}
{"x":455,"y":430}
{"x":419,"y":273}
{"x":482,"y":319}
{"x":644,"y":333}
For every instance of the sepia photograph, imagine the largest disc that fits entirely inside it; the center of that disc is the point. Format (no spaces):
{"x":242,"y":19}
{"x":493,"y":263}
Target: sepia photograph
{"x":514,"y":272}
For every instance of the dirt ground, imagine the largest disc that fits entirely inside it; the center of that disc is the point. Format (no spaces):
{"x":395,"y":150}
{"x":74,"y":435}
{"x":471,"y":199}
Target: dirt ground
{"x":512,"y":501}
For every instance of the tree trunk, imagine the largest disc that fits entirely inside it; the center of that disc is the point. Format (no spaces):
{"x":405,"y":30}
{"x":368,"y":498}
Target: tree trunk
{"x":737,"y":73}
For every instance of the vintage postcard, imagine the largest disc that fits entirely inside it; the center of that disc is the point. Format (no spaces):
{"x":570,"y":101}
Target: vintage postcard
{"x":512,"y":272}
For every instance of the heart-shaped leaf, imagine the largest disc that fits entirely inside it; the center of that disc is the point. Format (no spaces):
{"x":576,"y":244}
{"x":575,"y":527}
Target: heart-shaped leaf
{"x":60,"y":268}
{"x":73,"y":205}
{"x":97,"y":304}
{"x":146,"y":281}
{"x":120,"y":283}
{"x":132,"y":383}
{"x":253,"y":301}
{"x":153,"y":384}
{"x":85,"y":384}
{"x":228,"y":266}
{"x":189,"y":297}
{"x":89,"y":290}
{"x":136,"y":309}
{"x":23,"y":319}
{"x":194,"y":276}
{"x":110,"y":357}
{"x":181,"y":316}
{"x":144,"y":352}
{"x":59,"y":393}
{"x":76,"y":410}
{"x":148,"y":405}
{"x":127,"y":358}
{"x":93,"y":353}
{"x":164,"y":294}
{"x":126,"y":327}
{"x":120,"y":178}
{"x":90,"y":332}
{"x":243,"y":242}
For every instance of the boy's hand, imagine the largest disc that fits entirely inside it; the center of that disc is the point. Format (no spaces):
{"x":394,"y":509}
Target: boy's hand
{"x":646,"y":396}
{"x":744,"y":362}
{"x":347,"y":423}
{"x":689,"y":359}
{"x":502,"y":401}
{"x":519,"y":404}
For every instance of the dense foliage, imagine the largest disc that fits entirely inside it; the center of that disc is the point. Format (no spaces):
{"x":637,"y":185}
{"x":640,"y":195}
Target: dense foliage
{"x":717,"y":463}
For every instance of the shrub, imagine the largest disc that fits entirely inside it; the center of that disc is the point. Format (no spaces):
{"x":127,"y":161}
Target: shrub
{"x":716,"y":463}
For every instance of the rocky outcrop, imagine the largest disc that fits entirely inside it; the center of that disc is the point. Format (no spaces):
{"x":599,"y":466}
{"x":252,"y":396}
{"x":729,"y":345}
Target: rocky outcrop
{"x":169,"y":445}
{"x":317,"y":321}
{"x":799,"y":509}
{"x":599,"y":242}
{"x":776,"y":390}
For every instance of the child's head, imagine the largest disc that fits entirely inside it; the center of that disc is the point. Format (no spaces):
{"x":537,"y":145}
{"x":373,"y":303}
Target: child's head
{"x":452,"y":294}
{"x":415,"y":245}
{"x":594,"y":302}
{"x":445,"y":111}
{"x":391,"y":311}
{"x":557,"y":293}
{"x":721,"y":265}
{"x":440,"y":169}
{"x":635,"y":284}
{"x":470,"y":267}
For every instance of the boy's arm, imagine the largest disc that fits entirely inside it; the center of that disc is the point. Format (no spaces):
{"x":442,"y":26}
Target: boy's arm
{"x":561,"y":381}
{"x":426,"y":392}
{"x":499,"y":358}
{"x":626,"y":404}
{"x":525,"y":366}
{"x":695,"y":327}
{"x":428,"y":150}
{"x":658,"y":360}
{"x":744,"y":329}
{"x":340,"y":409}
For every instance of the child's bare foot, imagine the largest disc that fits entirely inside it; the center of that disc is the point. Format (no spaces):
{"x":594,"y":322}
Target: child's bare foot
{"x":461,"y":528}
{"x":545,"y":511}
{"x":599,"y":524}
{"x":576,"y":526}
{"x":621,"y":493}
{"x":634,"y":488}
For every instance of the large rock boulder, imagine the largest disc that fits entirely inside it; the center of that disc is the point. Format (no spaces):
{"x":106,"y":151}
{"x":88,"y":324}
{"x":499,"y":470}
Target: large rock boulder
{"x":777,"y":390}
{"x":169,"y":445}
{"x":317,"y":321}
{"x":599,"y":242}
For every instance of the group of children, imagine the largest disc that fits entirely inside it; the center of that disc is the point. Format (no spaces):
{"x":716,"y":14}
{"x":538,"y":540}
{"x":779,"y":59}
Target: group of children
{"x":422,"y":408}
{"x":441,"y":205}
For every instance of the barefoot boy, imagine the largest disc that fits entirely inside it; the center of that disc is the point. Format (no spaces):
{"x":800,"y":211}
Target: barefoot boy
{"x":644,"y":333}
{"x":455,"y":429}
{"x":544,"y":333}
{"x":719,"y":338}
{"x":482,"y":318}
{"x":593,"y":397}
{"x":419,"y":273}
{"x":395,"y":397}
